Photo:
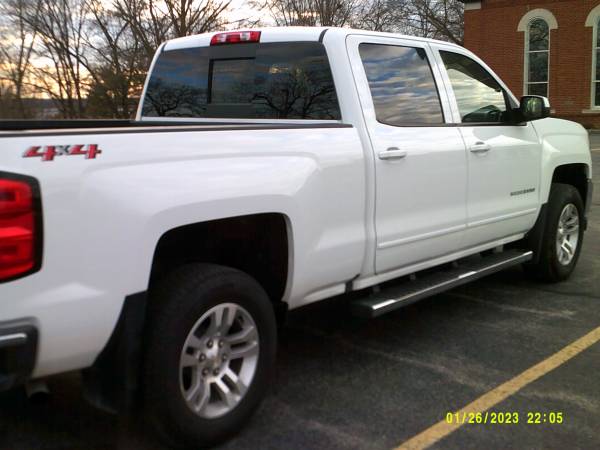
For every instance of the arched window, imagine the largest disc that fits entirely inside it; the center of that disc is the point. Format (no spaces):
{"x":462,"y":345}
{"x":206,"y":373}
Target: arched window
{"x":593,"y":20}
{"x":537,"y":25}
{"x":596,"y":67}
{"x":537,"y":57}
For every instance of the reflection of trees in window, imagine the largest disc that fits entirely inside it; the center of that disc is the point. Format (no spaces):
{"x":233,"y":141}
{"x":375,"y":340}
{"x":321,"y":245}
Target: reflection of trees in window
{"x":295,"y":92}
{"x":175,"y":100}
{"x":270,"y":81}
{"x":232,"y":80}
{"x":479,"y":96}
{"x":537,"y":54}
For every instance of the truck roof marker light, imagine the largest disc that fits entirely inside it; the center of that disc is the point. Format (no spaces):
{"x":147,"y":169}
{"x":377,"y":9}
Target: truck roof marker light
{"x":235,"y":37}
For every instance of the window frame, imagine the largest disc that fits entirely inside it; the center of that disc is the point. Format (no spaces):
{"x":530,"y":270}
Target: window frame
{"x":593,"y":21}
{"x":595,"y":61}
{"x":509,"y":98}
{"x":528,"y":52}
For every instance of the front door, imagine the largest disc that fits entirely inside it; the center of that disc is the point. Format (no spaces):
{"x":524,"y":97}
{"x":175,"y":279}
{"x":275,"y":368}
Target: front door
{"x":420,"y":163}
{"x":504,"y":158}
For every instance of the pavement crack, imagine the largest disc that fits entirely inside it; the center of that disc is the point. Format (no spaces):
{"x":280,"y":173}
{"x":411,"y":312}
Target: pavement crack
{"x":564,"y":314}
{"x":345,"y":439}
{"x":457,"y":373}
{"x":582,"y":402}
{"x":567,"y":293}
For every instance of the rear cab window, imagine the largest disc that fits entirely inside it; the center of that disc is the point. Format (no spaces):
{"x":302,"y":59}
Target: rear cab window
{"x":283,"y":80}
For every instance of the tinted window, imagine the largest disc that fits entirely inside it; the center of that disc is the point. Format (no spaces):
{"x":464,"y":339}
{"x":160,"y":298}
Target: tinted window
{"x":177,"y":88}
{"x":402,"y":85}
{"x":232,"y":81}
{"x":271,"y":81}
{"x":479,"y":96}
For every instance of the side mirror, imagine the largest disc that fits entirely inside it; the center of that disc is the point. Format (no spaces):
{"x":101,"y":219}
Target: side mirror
{"x":534,"y":107}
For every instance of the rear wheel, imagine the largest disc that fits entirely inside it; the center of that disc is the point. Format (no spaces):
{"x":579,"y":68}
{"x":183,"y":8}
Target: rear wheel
{"x":211,"y":348}
{"x":562,"y":236}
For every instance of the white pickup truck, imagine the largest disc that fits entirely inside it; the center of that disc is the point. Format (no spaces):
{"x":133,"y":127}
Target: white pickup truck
{"x":266,"y":170}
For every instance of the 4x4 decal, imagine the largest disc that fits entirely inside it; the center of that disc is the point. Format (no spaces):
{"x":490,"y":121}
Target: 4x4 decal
{"x":48,"y":152}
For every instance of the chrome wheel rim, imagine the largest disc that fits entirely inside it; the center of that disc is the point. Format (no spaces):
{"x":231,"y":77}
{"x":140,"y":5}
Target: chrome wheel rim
{"x":218,"y":360}
{"x":567,"y":235}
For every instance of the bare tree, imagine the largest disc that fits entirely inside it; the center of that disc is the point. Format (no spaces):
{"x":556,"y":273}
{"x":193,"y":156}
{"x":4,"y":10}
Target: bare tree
{"x":114,"y":61}
{"x":404,"y":16}
{"x":377,"y":15}
{"x":60,"y":28}
{"x":337,"y":13}
{"x":438,"y":19}
{"x":91,"y":56}
{"x":152,"y":21}
{"x":16,"y":50}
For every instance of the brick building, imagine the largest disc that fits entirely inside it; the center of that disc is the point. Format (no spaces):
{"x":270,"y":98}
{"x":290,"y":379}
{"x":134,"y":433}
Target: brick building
{"x":543,"y":47}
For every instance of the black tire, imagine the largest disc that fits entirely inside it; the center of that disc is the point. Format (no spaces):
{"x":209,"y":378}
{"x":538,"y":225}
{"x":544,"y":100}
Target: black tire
{"x":548,"y":268}
{"x":175,"y":305}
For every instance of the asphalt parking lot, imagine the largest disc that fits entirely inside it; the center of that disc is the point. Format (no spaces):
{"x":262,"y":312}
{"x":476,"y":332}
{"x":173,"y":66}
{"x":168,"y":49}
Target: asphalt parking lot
{"x":347,"y":384}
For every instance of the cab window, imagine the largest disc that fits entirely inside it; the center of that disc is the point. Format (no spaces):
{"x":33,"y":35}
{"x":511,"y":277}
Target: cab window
{"x":402,"y":85}
{"x":479,"y":96}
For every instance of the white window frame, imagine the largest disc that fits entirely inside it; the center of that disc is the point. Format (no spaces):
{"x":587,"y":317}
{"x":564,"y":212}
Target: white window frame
{"x":593,"y":19}
{"x":595,"y":49}
{"x":524,"y":26}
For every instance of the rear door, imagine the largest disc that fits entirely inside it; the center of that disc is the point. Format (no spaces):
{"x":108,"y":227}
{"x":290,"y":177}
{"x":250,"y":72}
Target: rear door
{"x":420,"y":162}
{"x":504,"y":158}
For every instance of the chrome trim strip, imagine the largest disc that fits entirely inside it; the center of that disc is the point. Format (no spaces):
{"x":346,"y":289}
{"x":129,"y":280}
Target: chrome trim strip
{"x":12,"y":339}
{"x":457,"y":281}
{"x":500,"y":218}
{"x":420,"y":237}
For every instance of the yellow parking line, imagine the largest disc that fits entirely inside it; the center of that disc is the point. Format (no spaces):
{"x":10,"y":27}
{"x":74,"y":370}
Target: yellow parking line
{"x":490,"y":399}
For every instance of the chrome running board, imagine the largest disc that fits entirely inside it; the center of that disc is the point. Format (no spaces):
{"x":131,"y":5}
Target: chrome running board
{"x":428,"y":284}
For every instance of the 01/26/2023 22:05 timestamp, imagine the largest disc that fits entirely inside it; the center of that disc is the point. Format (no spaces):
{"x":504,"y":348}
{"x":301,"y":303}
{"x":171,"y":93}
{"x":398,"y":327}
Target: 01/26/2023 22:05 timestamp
{"x":504,"y":418}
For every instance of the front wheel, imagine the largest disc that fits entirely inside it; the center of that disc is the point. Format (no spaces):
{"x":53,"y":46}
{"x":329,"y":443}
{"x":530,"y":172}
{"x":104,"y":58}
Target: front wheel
{"x":562,"y":237}
{"x":211,"y":348}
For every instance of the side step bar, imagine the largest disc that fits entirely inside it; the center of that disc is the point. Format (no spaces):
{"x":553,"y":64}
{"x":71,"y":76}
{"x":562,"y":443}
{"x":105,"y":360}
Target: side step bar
{"x":429,"y":284}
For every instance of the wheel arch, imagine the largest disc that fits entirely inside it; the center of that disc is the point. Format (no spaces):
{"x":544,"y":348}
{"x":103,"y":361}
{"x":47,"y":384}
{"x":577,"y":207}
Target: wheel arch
{"x":112,"y":382}
{"x":575,"y":174}
{"x":260,"y":245}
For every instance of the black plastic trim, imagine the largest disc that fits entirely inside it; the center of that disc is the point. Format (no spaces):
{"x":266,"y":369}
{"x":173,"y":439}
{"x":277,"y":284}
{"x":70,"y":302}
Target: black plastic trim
{"x":30,"y":124}
{"x":454,"y":125}
{"x":322,"y":35}
{"x":173,"y":127}
{"x":38,"y":221}
{"x":112,"y":383}
{"x":534,"y":238}
{"x":588,"y":197}
{"x":17,"y":360}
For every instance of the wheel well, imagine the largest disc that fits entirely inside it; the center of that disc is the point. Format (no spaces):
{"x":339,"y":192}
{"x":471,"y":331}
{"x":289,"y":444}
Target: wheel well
{"x":255,"y":244}
{"x":574,"y":174}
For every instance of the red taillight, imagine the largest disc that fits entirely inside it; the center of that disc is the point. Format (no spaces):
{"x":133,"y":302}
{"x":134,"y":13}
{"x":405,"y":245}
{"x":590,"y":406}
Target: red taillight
{"x":18,"y":228}
{"x":235,"y":37}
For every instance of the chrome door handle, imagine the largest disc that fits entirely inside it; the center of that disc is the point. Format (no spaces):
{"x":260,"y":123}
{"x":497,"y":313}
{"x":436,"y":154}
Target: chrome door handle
{"x":480,"y":147}
{"x":392,"y":153}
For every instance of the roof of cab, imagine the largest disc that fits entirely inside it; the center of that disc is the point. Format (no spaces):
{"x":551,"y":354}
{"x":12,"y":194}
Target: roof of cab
{"x":284,"y":34}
